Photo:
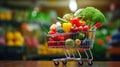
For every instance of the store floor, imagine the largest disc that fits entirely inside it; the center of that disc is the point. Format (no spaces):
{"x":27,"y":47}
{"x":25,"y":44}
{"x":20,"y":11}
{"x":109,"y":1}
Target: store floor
{"x":50,"y":64}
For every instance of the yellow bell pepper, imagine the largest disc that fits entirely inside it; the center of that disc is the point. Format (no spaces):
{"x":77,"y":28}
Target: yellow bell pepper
{"x":65,"y":24}
{"x":66,"y":27}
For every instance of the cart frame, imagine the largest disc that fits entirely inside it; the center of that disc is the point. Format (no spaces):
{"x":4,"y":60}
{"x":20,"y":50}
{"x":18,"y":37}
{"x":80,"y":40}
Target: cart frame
{"x":71,"y":56}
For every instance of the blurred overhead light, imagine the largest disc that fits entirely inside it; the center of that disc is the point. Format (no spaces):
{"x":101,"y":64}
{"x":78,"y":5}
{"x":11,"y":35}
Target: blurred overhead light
{"x":73,"y":5}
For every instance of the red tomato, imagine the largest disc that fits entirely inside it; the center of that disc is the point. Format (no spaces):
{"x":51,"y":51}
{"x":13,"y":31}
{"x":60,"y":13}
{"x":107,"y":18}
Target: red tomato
{"x":76,"y":29}
{"x":58,"y":37}
{"x":72,"y":29}
{"x":52,"y":32}
{"x":86,"y":27}
{"x":55,"y":37}
{"x":61,"y":42}
{"x":98,"y":25}
{"x":80,"y":28}
{"x":62,"y":38}
{"x":66,"y":36}
{"x":51,"y":42}
{"x":54,"y":29}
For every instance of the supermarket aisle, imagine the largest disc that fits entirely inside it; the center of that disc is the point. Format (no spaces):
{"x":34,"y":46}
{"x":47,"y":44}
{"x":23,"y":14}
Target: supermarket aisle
{"x":50,"y":64}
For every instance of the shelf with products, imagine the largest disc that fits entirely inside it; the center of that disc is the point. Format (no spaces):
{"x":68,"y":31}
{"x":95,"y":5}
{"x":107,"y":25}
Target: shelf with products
{"x":32,"y":29}
{"x":20,"y":37}
{"x":30,"y":15}
{"x":18,"y":23}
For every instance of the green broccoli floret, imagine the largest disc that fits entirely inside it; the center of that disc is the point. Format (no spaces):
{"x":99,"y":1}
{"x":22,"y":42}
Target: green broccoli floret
{"x":92,"y":15}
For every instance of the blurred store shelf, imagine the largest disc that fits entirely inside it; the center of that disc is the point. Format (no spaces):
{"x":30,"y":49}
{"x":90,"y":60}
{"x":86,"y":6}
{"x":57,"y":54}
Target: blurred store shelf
{"x":114,"y":50}
{"x":114,"y":53}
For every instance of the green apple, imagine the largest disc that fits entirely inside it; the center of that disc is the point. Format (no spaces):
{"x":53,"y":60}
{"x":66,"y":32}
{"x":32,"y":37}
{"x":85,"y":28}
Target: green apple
{"x":81,"y":35}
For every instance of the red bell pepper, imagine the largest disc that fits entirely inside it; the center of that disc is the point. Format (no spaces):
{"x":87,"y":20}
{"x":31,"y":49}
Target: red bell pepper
{"x":75,"y":21}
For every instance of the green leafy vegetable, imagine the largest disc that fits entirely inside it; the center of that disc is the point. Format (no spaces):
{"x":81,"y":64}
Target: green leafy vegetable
{"x":91,"y":15}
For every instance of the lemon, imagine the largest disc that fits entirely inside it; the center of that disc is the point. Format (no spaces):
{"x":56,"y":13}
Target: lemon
{"x":18,"y":43}
{"x":9,"y":35}
{"x":17,"y":35}
{"x":10,"y":43}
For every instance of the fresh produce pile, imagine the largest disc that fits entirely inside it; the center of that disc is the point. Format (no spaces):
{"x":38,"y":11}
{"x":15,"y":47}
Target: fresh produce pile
{"x":14,"y":38}
{"x":75,"y":29}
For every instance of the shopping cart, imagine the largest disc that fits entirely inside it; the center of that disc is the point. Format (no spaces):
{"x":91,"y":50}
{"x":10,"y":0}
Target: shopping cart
{"x":86,"y":44}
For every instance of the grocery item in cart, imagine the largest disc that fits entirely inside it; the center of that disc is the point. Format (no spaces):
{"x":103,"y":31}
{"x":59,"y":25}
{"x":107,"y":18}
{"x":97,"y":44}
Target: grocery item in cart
{"x":71,"y":40}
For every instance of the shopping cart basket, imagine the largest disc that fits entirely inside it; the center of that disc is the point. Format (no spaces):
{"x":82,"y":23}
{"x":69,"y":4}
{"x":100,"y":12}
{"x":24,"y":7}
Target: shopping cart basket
{"x":86,"y":44}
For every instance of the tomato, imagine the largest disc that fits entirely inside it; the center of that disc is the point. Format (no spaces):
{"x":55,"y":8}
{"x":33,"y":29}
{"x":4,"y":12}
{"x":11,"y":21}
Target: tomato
{"x":62,"y":38}
{"x":76,"y":29}
{"x":72,"y":29}
{"x":55,"y":37}
{"x":53,"y":29}
{"x":51,"y":42}
{"x":58,"y":37}
{"x":86,"y":27}
{"x":51,"y":32}
{"x":98,"y":25}
{"x":66,"y":36}
{"x":80,"y":28}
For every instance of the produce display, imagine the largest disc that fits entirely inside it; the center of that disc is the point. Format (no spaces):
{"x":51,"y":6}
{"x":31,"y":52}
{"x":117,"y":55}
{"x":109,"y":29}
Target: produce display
{"x":14,"y":38}
{"x":73,"y":29}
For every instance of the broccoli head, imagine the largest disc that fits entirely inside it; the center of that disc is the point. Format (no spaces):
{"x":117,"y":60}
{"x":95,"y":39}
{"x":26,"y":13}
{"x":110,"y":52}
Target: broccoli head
{"x":92,"y":15}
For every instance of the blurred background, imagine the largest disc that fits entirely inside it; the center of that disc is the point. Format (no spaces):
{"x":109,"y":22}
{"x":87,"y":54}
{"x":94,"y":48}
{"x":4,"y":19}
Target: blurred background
{"x":24,"y":25}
